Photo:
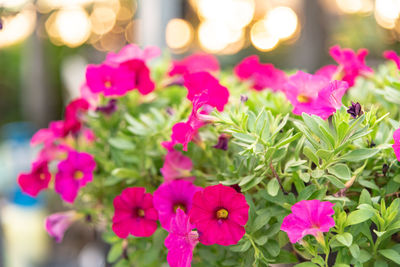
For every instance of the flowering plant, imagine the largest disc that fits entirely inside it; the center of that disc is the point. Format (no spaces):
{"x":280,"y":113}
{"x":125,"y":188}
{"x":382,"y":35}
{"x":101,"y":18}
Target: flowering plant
{"x":187,"y":164}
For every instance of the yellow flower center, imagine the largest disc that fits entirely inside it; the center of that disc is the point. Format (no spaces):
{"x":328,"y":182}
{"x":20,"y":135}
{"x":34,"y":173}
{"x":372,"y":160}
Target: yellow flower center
{"x":107,"y":84}
{"x":42,"y":176}
{"x":222,"y":214}
{"x":78,"y":175}
{"x":140,"y":212}
{"x":179,"y":206}
{"x":303,"y":99}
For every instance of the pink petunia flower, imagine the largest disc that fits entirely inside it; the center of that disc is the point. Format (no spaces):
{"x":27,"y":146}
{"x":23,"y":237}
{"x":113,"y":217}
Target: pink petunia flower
{"x":176,"y":166}
{"x":260,"y":75}
{"x":194,"y":63}
{"x":314,"y":94}
{"x":140,"y":75}
{"x":134,"y":213}
{"x":308,"y":217}
{"x":91,"y":98}
{"x":58,"y":223}
{"x":73,"y":115}
{"x":396,"y":145}
{"x":37,"y":180}
{"x":73,"y":173}
{"x":328,"y":71}
{"x":219,"y":214}
{"x":132,"y":51}
{"x":392,"y":55}
{"x":204,"y":85}
{"x":109,"y":80}
{"x":173,"y":195}
{"x":352,"y":64}
{"x":181,"y":241}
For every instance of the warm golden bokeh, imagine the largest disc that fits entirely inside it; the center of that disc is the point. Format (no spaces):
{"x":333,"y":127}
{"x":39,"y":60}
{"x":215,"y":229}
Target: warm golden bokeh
{"x":178,"y":34}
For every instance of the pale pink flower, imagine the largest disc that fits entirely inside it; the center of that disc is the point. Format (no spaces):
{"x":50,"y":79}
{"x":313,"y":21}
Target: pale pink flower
{"x":176,"y":166}
{"x":351,"y":64}
{"x":58,"y":223}
{"x":194,"y":63}
{"x":314,"y":94}
{"x":396,"y":145}
{"x":181,"y":241}
{"x":308,"y":217}
{"x":132,"y":51}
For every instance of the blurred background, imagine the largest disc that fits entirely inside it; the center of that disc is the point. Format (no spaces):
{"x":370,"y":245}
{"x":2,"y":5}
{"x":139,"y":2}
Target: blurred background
{"x":46,"y":44}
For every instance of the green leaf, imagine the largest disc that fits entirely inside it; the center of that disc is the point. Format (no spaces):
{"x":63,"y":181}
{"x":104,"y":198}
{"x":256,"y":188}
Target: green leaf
{"x":261,"y":240}
{"x":115,"y":252}
{"x":390,"y":254}
{"x":121,"y":143}
{"x":380,"y":263}
{"x":345,"y":238}
{"x":310,"y":154}
{"x":124,"y":173}
{"x":317,"y":173}
{"x":355,"y":251}
{"x":273,"y":187}
{"x":336,"y":182}
{"x":341,"y":171}
{"x":359,"y":216}
{"x":360,"y":154}
{"x":365,"y":197}
{"x":324,"y":154}
{"x":304,"y":176}
{"x":368,"y":184}
{"x":394,"y":226}
{"x":243,"y":246}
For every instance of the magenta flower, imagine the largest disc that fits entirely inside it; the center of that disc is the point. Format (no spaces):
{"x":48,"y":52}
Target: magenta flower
{"x":58,"y":223}
{"x":132,"y":51}
{"x":176,"y":166}
{"x":260,"y":75}
{"x":87,"y":94}
{"x":140,"y":75}
{"x":43,"y":136}
{"x":392,"y":55}
{"x":308,"y":217}
{"x":181,"y":241}
{"x":219,"y":214}
{"x":73,"y":115}
{"x":204,"y":85}
{"x":134,"y":213}
{"x":314,"y":94}
{"x":396,"y":145}
{"x":37,"y":180}
{"x":73,"y":173}
{"x":194,"y":63}
{"x":352,"y":64}
{"x":109,"y":79}
{"x":173,"y":195}
{"x":328,"y":71}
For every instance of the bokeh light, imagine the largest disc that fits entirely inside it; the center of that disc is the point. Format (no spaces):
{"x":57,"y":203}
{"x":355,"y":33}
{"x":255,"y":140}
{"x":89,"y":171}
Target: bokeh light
{"x":387,"y":12}
{"x":12,"y":3}
{"x":70,"y":26}
{"x":179,"y":34}
{"x":281,"y":22}
{"x":261,"y":38}
{"x":102,"y":19}
{"x":214,"y":36}
{"x":17,"y":28}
